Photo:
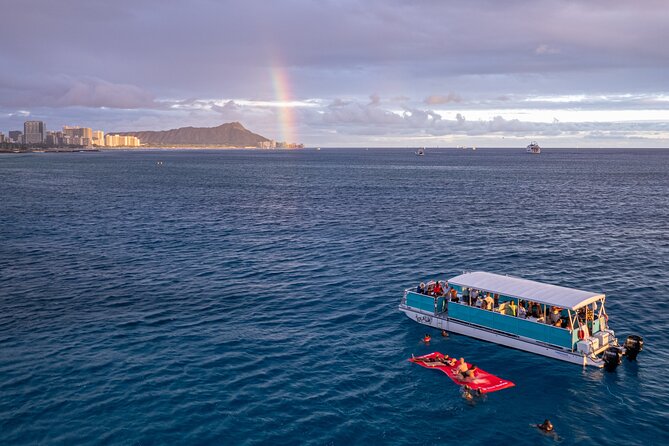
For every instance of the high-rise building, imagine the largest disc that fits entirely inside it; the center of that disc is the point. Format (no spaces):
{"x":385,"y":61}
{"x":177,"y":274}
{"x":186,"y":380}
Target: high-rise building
{"x":98,"y":138}
{"x":81,"y":136}
{"x":52,"y":139}
{"x":121,"y":141}
{"x":33,"y":132}
{"x":15,"y":135}
{"x":2,"y":137}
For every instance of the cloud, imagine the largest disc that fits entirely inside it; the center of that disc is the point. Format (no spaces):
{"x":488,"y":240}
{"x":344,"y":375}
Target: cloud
{"x":90,"y":92}
{"x":141,"y":62}
{"x":545,"y":49}
{"x":65,"y":91}
{"x":439,"y":99}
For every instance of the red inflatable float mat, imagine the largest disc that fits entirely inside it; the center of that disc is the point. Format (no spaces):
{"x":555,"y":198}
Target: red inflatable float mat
{"x":483,"y":380}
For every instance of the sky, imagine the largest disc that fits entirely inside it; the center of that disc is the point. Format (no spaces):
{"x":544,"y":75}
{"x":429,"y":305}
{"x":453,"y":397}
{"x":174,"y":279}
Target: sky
{"x":347,"y":73}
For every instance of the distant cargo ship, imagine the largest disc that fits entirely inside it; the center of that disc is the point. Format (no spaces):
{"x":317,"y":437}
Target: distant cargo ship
{"x":533,"y":147}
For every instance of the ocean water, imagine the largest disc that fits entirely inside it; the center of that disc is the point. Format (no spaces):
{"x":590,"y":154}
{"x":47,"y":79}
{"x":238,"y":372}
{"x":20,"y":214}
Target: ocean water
{"x":246,"y":297}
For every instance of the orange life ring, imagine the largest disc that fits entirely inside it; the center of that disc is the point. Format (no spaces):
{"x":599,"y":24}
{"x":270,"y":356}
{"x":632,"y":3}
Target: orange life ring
{"x":581,"y":333}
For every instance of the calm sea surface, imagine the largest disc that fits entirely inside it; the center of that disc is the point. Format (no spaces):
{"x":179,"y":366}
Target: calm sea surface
{"x":246,"y":297}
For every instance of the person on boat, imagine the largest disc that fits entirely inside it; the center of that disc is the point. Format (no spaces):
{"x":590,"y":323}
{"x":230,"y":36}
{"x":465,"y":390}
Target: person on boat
{"x":454,"y":295}
{"x":465,"y":296}
{"x":521,"y":310}
{"x":567,"y":324}
{"x":554,"y":318}
{"x":510,"y":308}
{"x":421,"y":288}
{"x":488,"y":302}
{"x":536,"y":310}
{"x":438,"y":290}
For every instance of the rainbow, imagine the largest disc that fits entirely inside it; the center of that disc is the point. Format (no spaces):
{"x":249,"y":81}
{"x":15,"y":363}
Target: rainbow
{"x":283,"y":95}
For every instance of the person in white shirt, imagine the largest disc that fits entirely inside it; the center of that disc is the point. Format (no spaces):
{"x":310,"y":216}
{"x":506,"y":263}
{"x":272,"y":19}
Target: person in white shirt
{"x":521,"y":311}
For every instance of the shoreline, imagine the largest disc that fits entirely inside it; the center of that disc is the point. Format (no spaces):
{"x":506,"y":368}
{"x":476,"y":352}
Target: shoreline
{"x":131,"y":149}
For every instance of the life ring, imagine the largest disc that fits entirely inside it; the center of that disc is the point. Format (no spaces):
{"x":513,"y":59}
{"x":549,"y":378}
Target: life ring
{"x":581,"y":333}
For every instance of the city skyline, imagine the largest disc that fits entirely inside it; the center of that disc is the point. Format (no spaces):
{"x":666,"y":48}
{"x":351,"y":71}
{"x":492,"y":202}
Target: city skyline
{"x":36,"y":134}
{"x":484,"y":73}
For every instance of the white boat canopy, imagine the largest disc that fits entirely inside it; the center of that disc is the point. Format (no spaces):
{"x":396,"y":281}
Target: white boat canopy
{"x":526,"y":289}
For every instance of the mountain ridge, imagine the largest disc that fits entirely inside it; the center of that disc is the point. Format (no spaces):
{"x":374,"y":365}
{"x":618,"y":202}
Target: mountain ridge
{"x":231,"y":134}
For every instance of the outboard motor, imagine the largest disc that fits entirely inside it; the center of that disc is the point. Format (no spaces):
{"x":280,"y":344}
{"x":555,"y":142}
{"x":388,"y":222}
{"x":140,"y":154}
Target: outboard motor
{"x":633,"y":345}
{"x":612,"y":358}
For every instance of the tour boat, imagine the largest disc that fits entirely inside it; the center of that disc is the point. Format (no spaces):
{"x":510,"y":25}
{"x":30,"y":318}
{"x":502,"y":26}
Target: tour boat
{"x":554,"y":321}
{"x":533,"y":147}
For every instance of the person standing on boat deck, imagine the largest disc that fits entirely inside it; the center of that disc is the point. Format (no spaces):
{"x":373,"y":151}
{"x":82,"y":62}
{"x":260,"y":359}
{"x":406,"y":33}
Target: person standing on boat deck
{"x":510,"y":308}
{"x":454,"y":294}
{"x":521,"y":310}
{"x":465,"y":296}
{"x":488,"y":302}
{"x":421,"y":288}
{"x":475,"y":297}
{"x":438,"y":290}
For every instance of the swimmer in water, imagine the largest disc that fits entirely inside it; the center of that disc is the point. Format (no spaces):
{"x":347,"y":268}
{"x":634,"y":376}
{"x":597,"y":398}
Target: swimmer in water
{"x":547,"y":429}
{"x":468,"y":393}
{"x":546,"y":426}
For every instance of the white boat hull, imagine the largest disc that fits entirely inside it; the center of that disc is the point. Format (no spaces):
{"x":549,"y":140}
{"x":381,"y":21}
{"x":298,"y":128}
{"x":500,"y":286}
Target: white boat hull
{"x":484,"y":334}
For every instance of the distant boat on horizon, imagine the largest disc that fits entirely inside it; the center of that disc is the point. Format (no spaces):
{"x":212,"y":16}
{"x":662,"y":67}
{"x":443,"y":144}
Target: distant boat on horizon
{"x":421,"y":151}
{"x":534,"y":148}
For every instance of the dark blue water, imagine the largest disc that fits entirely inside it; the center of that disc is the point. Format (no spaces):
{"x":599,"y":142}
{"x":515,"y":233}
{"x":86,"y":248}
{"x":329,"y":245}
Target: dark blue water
{"x":245,"y":297}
